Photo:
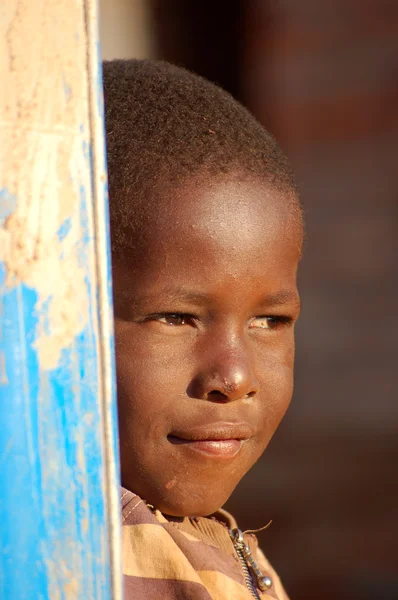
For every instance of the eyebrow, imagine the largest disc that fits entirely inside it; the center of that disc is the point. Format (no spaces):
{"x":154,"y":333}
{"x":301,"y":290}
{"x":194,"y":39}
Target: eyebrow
{"x":282,"y":297}
{"x":174,"y":295}
{"x":200,"y":298}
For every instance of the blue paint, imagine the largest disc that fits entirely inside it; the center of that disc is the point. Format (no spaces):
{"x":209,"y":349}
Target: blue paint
{"x":87,"y":151}
{"x":64,"y":229}
{"x":99,"y":84}
{"x":20,"y":498}
{"x":51,"y":463}
{"x":8,"y":204}
{"x":67,"y":88}
{"x":54,"y":532}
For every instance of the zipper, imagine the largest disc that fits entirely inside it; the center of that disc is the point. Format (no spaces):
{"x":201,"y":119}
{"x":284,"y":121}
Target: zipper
{"x":246,"y":573}
{"x":251,"y":571}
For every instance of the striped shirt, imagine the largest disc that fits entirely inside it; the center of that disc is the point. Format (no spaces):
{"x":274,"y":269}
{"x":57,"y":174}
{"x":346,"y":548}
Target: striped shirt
{"x":188,"y":558}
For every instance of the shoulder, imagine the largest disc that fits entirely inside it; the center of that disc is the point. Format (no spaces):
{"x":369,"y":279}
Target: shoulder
{"x":134,"y":509}
{"x":194,"y":558}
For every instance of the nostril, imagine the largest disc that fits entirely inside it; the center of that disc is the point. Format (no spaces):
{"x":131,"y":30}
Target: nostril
{"x":217,"y":396}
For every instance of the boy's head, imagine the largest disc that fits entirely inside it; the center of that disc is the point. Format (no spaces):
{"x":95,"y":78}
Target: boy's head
{"x":206,"y":238}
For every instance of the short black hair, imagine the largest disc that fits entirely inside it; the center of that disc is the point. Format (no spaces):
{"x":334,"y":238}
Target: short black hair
{"x":165,"y":124}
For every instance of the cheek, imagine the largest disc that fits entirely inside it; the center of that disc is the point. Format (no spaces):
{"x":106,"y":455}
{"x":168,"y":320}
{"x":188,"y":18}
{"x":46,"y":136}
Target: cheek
{"x":276,"y":385}
{"x":150,"y":374}
{"x":283,"y":390}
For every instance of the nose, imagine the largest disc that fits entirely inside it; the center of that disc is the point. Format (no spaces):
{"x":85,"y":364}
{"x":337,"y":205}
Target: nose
{"x":226,"y":377}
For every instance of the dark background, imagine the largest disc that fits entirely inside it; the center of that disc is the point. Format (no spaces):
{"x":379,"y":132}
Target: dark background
{"x":323,"y":77}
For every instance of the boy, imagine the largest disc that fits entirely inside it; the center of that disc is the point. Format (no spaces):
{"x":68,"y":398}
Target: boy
{"x":206,"y":239}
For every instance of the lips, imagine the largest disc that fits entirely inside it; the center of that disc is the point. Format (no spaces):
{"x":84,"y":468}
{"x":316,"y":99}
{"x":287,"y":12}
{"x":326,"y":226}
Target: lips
{"x":215,"y":431}
{"x":222,"y":440}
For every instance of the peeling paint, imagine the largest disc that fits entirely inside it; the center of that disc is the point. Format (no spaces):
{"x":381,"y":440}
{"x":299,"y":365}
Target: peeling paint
{"x":67,"y":90}
{"x":44,"y":138}
{"x":3,"y":369}
{"x":8,"y":203}
{"x":64,"y":229}
{"x":58,"y":444}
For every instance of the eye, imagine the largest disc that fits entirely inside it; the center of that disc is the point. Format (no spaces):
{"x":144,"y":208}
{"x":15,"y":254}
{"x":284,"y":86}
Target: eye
{"x":174,"y":319}
{"x":270,"y":322}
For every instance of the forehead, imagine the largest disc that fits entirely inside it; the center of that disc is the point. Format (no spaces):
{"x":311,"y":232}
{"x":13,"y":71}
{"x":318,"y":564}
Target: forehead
{"x":226,"y":204}
{"x":225,"y":209}
{"x":209,"y":232}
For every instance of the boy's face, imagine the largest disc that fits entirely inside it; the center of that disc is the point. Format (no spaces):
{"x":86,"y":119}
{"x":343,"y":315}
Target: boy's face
{"x":204,"y":320}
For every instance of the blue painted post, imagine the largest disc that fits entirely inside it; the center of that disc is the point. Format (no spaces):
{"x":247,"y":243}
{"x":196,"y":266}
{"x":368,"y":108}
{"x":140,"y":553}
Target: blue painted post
{"x":59,"y":504}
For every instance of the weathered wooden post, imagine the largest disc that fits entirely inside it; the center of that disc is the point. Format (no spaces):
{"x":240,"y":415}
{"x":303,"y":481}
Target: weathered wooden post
{"x":59,"y":505}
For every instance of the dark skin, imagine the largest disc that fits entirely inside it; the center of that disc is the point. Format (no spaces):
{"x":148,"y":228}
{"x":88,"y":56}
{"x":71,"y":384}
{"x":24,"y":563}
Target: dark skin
{"x":205,"y":308}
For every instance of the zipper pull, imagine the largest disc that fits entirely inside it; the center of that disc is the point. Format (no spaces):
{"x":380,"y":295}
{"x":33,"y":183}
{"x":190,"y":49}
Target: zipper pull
{"x":264,"y":582}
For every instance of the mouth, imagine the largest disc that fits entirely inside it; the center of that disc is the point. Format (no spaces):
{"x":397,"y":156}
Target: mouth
{"x":219,"y":440}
